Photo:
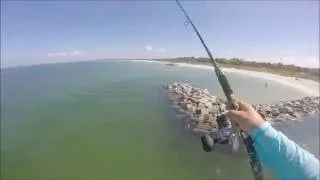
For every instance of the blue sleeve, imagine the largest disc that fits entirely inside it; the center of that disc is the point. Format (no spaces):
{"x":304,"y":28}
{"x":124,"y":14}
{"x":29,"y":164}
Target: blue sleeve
{"x":283,"y":157}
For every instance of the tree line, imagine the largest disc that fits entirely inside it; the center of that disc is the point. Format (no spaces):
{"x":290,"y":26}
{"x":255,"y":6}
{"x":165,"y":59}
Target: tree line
{"x":242,"y":63}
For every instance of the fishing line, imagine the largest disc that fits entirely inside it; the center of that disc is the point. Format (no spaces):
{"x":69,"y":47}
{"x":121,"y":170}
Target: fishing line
{"x":232,"y":102}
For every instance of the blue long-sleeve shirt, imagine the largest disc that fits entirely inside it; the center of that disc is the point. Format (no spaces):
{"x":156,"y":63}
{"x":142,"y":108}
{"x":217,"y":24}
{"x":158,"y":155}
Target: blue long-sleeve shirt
{"x":283,"y":157}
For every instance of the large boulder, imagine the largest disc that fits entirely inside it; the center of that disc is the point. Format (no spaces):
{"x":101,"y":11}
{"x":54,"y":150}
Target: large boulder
{"x":202,"y":111}
{"x":206,"y":92}
{"x":275,"y":112}
{"x":183,"y":105}
{"x":195,"y":93}
{"x":212,"y":120}
{"x":198,"y":111}
{"x":262,"y":113}
{"x":206,"y":117}
{"x":208,"y":104}
{"x":289,"y":109}
{"x":222,"y":108}
{"x":200,"y":118}
{"x":194,"y":100}
{"x":214,"y":110}
{"x":191,"y":108}
{"x":267,"y":109}
{"x":283,"y":110}
{"x":204,"y":126}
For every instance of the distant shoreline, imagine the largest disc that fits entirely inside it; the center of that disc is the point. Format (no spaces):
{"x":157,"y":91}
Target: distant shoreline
{"x":290,"y":70}
{"x":310,"y":87}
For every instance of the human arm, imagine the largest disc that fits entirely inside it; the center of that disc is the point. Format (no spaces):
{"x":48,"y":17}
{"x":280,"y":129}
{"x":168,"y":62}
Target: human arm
{"x":282,"y":156}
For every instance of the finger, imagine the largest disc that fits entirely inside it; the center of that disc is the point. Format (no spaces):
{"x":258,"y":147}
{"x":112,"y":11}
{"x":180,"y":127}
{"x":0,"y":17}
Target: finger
{"x":233,"y":106}
{"x":235,"y":115}
{"x":244,"y":106}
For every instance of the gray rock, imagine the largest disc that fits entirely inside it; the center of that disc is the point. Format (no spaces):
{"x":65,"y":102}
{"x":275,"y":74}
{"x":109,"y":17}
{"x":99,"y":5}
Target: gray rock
{"x":215,"y":103}
{"x":205,"y":99}
{"x":206,"y":92}
{"x":282,"y":117}
{"x":183,"y":105}
{"x":191,"y":108}
{"x":201,"y":106}
{"x":262,"y":113}
{"x":289,"y":109}
{"x":215,"y":110}
{"x":177,"y":91}
{"x":212,"y":119}
{"x":304,"y":109}
{"x":283,"y":110}
{"x":294,"y":115}
{"x":269,"y":119}
{"x":196,"y":97}
{"x":204,"y":126}
{"x":212,"y":98}
{"x":268,"y":109}
{"x":208,"y":105}
{"x":222,"y":108}
{"x":315,"y":102}
{"x":201,"y":118}
{"x":193,"y":100}
{"x":206,"y":117}
{"x":182,"y":97}
{"x":187,"y":91}
{"x":296,"y":103}
{"x":198,"y":111}
{"x":275,"y":112}
{"x":196,"y":94}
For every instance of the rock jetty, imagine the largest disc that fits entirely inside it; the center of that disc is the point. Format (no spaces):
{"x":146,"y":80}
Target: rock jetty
{"x":202,"y":108}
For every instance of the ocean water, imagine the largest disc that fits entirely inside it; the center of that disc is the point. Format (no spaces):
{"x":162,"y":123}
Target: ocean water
{"x":113,"y":120}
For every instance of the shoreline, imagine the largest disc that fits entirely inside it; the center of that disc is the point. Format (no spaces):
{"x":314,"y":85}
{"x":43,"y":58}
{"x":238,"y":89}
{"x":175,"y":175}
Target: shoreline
{"x":307,"y":86}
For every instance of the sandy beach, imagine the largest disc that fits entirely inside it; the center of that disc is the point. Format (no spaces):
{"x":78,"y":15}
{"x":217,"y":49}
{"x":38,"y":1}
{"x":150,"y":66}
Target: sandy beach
{"x":311,"y":88}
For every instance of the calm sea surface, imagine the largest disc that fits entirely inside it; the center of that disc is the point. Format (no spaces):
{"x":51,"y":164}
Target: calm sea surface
{"x":114,"y":120}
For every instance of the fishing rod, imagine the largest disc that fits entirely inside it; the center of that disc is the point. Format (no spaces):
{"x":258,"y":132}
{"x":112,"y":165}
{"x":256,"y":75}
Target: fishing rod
{"x":232,"y":102}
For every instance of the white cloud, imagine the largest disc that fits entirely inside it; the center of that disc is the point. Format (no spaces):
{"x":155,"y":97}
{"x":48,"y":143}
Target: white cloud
{"x":64,"y":54}
{"x":161,"y":50}
{"x":57,"y":54}
{"x":149,"y":48}
{"x":74,"y":53}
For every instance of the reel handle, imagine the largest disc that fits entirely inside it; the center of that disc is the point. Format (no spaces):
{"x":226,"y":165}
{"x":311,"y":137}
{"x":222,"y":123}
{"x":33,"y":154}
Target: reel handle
{"x":207,"y":143}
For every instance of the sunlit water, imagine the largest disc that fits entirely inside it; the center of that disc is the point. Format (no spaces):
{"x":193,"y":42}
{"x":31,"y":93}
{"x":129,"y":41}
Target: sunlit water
{"x":113,"y":120}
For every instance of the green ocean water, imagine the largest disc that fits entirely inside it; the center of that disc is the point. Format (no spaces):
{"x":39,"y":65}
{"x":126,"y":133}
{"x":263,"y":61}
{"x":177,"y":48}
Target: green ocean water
{"x":112,"y":120}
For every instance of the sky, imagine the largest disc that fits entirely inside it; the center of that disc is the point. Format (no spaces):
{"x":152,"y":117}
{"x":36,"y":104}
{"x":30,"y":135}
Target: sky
{"x":37,"y":32}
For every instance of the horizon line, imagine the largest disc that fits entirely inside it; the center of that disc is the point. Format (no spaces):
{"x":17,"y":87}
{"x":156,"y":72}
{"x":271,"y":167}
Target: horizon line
{"x":100,"y":59}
